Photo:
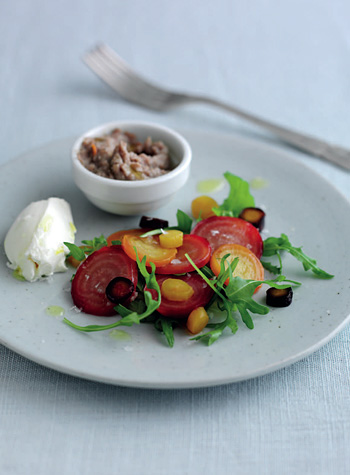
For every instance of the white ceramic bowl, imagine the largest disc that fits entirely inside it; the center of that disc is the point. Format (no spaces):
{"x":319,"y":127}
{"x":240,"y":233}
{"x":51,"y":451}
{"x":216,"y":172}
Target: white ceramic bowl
{"x":139,"y":196}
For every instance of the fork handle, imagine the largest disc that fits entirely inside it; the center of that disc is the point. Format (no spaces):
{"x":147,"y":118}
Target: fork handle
{"x":333,"y":153}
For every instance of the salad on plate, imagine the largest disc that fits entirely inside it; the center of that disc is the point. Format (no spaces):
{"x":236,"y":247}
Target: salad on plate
{"x":202,"y":274}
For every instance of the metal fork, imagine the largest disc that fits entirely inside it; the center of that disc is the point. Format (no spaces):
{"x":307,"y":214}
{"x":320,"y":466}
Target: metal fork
{"x":109,"y":67}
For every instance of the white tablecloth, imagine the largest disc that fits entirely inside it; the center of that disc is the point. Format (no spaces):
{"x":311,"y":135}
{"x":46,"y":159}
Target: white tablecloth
{"x":287,"y":61}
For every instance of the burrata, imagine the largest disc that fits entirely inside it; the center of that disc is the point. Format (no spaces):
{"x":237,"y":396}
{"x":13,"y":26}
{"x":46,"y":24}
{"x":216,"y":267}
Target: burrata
{"x":34,"y":243}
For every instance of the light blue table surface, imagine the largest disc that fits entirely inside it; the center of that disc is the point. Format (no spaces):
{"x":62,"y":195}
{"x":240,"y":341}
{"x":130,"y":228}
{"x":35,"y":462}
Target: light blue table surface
{"x":288,"y":61}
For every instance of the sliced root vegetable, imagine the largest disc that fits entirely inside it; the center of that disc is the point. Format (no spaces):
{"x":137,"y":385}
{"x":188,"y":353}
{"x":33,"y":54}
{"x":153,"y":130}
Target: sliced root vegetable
{"x":197,"y":320}
{"x":148,"y":246}
{"x":176,"y":290}
{"x":118,"y":235}
{"x":153,"y":223}
{"x":202,"y":207}
{"x":254,"y":216}
{"x":181,"y":309}
{"x":279,"y":297}
{"x":219,"y":230}
{"x":93,"y":276}
{"x":248,"y":267}
{"x":198,"y":250}
{"x":172,"y":238}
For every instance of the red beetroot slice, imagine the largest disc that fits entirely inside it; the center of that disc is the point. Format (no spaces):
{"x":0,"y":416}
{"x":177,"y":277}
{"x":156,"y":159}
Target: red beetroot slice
{"x":175,"y":309}
{"x":95,"y":273}
{"x":196,"y":247}
{"x":220,"y":230}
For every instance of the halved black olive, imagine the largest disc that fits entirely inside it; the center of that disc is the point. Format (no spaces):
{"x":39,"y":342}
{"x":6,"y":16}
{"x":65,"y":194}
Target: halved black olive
{"x":119,"y":290}
{"x":153,"y":223}
{"x":254,"y":216}
{"x":279,"y":297}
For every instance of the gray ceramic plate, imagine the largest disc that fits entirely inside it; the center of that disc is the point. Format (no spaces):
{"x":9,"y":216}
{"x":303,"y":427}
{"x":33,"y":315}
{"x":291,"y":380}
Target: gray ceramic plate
{"x":298,"y":202}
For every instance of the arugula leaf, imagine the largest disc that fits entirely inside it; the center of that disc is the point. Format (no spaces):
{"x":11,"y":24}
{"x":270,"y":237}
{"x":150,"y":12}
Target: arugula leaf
{"x":226,"y":272}
{"x":75,"y":251}
{"x":137,"y":305}
{"x":273,"y":246}
{"x":208,"y":272}
{"x":184,"y":222}
{"x":80,"y":253}
{"x":164,"y":325}
{"x":211,"y":336}
{"x":240,"y":292}
{"x":237,"y":295}
{"x":151,"y":283}
{"x":130,"y":317}
{"x":271,"y":267}
{"x":95,"y":244}
{"x":239,"y":197}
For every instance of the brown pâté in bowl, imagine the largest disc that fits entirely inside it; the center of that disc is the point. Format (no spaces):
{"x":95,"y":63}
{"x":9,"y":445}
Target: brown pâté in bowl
{"x":121,"y":156}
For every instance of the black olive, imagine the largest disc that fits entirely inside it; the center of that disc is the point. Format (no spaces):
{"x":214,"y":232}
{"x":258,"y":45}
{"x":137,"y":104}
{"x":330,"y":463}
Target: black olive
{"x":153,"y":223}
{"x":254,"y":216}
{"x":279,"y":297}
{"x":119,"y":290}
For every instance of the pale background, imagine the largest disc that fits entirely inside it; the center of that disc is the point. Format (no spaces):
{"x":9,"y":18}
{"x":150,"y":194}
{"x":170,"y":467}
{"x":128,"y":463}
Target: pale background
{"x":288,"y":61}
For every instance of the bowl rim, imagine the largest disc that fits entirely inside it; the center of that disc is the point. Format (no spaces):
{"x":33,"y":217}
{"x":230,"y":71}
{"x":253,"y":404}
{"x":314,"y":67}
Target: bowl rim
{"x":108,"y":126}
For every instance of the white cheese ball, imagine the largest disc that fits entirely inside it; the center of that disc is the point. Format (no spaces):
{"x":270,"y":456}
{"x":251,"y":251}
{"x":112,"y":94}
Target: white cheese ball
{"x":34,"y":243}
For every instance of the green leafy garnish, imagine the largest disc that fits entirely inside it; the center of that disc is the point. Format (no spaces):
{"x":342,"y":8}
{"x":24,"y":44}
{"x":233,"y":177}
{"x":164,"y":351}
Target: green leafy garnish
{"x":237,"y":295}
{"x":239,"y":197}
{"x":130,"y":317}
{"x":273,"y":247}
{"x":184,"y":222}
{"x":90,"y":246}
{"x":271,"y":267}
{"x":208,"y":272}
{"x":75,"y":251}
{"x":165,"y":326}
{"x":96,"y":243}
